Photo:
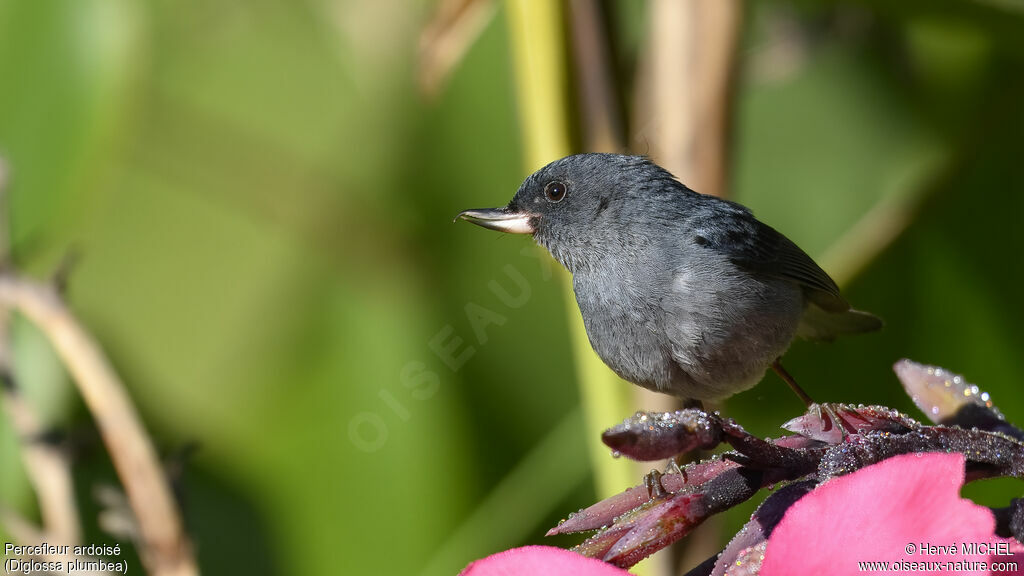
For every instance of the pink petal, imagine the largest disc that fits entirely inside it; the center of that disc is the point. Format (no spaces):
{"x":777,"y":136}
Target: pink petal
{"x":540,"y":561}
{"x":877,"y":514}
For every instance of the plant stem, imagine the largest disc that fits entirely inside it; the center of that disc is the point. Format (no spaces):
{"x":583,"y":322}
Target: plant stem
{"x":539,"y":54}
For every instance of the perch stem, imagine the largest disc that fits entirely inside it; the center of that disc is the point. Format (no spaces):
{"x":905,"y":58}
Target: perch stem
{"x":165,"y":548}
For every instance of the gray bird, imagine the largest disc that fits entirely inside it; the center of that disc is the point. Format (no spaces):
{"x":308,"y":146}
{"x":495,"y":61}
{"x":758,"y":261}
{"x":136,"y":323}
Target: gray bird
{"x":680,"y":292}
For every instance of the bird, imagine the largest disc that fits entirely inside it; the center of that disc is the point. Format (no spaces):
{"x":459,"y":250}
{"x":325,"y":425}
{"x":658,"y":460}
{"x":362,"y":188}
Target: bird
{"x":680,"y":292}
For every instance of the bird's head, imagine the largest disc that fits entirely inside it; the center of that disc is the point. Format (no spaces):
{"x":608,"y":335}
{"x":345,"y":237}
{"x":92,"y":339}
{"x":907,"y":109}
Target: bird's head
{"x":577,"y":207}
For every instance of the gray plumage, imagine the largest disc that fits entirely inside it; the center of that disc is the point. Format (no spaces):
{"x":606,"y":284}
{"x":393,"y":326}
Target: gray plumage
{"x":680,"y":292}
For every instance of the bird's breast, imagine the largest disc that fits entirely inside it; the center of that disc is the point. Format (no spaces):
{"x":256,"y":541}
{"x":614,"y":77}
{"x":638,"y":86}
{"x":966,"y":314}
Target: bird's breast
{"x":624,"y":325}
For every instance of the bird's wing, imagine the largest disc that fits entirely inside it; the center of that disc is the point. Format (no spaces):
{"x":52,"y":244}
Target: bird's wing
{"x":759,"y":248}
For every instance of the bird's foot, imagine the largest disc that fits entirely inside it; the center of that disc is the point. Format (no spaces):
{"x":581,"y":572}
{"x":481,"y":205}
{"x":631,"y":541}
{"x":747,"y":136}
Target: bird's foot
{"x":824,"y":422}
{"x":830,"y":415}
{"x":655,"y":489}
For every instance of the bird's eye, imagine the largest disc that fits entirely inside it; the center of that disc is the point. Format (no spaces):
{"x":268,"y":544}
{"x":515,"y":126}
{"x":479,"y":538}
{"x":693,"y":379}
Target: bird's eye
{"x":555,"y":191}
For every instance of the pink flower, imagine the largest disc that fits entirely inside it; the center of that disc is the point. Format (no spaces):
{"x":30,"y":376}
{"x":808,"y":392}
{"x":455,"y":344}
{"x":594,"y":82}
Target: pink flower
{"x":902,"y":510}
{"x":540,"y":561}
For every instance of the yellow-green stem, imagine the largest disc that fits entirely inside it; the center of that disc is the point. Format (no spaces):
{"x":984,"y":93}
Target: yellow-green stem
{"x":538,"y":48}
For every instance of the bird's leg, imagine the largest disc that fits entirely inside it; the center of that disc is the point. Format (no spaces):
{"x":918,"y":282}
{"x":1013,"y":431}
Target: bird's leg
{"x":777,"y":367}
{"x":693,"y":403}
{"x":824,"y":412}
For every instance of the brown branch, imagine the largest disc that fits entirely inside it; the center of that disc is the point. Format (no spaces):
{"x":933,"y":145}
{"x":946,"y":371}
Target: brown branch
{"x":453,"y":28}
{"x":683,"y":91}
{"x":165,"y":548}
{"x":47,"y":466}
{"x":718,"y":36}
{"x":22,"y":531}
{"x":595,"y":90}
{"x":664,"y":98}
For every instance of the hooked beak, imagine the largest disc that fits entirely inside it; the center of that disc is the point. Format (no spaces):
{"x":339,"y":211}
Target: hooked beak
{"x":501,"y":219}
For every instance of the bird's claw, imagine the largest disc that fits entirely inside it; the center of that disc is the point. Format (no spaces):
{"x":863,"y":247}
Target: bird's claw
{"x":677,"y":469}
{"x":655,"y":489}
{"x":832,"y":421}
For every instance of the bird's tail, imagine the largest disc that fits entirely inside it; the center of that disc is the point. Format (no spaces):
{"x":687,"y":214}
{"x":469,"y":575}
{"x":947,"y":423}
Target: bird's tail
{"x":818,"y":324}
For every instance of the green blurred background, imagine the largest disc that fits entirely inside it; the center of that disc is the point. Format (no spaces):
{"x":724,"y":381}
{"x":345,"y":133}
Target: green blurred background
{"x":261,"y":202}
